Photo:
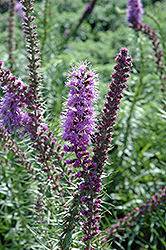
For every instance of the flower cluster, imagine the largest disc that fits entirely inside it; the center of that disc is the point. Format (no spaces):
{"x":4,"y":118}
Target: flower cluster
{"x":13,"y":103}
{"x":78,"y":113}
{"x":16,"y":103}
{"x":13,"y":117}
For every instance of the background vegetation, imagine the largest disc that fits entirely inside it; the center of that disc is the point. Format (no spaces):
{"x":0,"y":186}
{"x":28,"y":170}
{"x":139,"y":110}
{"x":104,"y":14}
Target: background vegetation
{"x":136,"y":166}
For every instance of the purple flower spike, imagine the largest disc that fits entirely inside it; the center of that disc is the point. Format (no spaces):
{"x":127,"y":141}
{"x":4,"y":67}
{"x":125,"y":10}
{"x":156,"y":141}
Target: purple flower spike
{"x":108,"y":119}
{"x":12,"y":106}
{"x":134,"y":11}
{"x":11,"y":112}
{"x":78,"y":113}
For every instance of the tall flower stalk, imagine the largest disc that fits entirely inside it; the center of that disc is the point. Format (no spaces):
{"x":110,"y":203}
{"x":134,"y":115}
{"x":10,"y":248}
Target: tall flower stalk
{"x":108,"y":119}
{"x":33,"y":54}
{"x":39,"y":133}
{"x":78,"y":125}
{"x":102,"y":138}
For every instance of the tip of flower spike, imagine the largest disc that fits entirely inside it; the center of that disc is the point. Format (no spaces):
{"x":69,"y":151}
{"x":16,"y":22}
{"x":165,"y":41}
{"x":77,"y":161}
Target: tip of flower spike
{"x":134,"y":12}
{"x":124,"y":51}
{"x":78,"y":112}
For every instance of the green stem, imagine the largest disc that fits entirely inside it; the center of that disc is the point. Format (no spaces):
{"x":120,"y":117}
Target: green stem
{"x":74,"y":31}
{"x":11,"y":35}
{"x":159,"y":28}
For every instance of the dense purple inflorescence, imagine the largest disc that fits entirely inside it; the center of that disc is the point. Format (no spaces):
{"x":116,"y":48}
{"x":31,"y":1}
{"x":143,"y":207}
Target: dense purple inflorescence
{"x":11,"y":115}
{"x":102,"y":138}
{"x":134,"y":11}
{"x":78,"y":125}
{"x":78,"y":113}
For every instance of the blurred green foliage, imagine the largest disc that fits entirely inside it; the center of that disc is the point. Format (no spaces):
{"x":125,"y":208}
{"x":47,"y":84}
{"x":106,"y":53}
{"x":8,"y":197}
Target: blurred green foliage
{"x":16,"y":205}
{"x":138,"y":153}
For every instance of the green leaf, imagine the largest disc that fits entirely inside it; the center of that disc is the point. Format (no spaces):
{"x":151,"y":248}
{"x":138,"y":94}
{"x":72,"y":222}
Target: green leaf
{"x":158,"y":236}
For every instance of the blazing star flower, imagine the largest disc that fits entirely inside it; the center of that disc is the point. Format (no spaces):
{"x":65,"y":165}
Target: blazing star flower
{"x":11,"y":115}
{"x":134,"y":11}
{"x":78,"y":113}
{"x":12,"y":105}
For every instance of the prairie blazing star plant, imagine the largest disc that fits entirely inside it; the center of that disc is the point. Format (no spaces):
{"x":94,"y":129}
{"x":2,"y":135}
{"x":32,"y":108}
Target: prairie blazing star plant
{"x":21,"y":112}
